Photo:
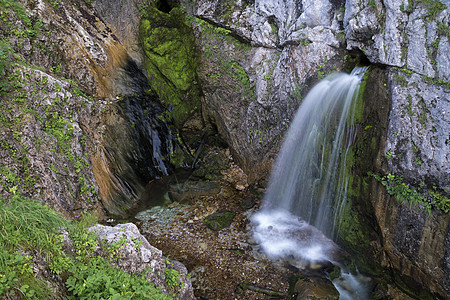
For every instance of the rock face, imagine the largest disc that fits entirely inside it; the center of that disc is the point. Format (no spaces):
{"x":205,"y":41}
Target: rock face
{"x":412,"y":34}
{"x":81,"y":149}
{"x":68,"y":137}
{"x":136,"y":254}
{"x":257,"y":62}
{"x":56,"y":116}
{"x":45,"y":148}
{"x":415,"y":244}
{"x":259,"y":58}
{"x":420,"y":116}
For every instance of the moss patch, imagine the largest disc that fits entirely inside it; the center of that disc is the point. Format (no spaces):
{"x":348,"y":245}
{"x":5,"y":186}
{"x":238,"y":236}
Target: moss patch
{"x":358,"y":228}
{"x":171,"y":61}
{"x":219,"y":220}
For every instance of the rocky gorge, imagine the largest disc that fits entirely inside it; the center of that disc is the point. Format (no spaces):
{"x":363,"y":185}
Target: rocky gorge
{"x":104,"y":101}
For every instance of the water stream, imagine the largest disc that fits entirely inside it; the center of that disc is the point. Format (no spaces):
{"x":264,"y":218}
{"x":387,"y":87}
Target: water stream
{"x":308,"y":186}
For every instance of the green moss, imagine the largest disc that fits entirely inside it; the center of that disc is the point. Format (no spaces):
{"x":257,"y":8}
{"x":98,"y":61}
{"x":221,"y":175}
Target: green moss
{"x":219,"y":220}
{"x":359,"y":108}
{"x":171,"y":61}
{"x":351,"y":226}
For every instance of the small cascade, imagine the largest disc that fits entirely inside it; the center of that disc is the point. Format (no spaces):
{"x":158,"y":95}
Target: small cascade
{"x":308,"y":186}
{"x":139,"y":142}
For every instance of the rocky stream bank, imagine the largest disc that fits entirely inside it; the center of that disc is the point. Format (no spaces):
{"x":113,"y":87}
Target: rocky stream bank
{"x":85,"y":93}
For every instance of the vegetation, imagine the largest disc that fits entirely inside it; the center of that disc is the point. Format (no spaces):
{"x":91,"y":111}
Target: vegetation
{"x":407,"y":193}
{"x":171,"y":61}
{"x":30,"y":229}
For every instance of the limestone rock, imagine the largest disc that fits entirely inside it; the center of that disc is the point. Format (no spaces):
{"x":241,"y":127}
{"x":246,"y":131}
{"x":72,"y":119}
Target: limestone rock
{"x":400,"y":34}
{"x":137,"y":254}
{"x":44,"y":152}
{"x":417,"y":140}
{"x":415,"y":245}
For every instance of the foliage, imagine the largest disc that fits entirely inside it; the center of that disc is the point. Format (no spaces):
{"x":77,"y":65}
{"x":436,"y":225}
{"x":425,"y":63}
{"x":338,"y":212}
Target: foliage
{"x":100,"y":280}
{"x":6,"y":61}
{"x":440,"y":201}
{"x":28,"y":227}
{"x":28,"y":224}
{"x":172,"y":277}
{"x":404,"y":192}
{"x":55,"y":3}
{"x":25,"y":225}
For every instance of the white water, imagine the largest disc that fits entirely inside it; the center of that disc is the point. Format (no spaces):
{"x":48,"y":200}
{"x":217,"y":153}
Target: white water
{"x":309,"y":184}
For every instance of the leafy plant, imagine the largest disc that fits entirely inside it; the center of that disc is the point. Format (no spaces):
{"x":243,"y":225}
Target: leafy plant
{"x":29,"y":227}
{"x":28,"y":224}
{"x":404,"y":192}
{"x":172,"y":277}
{"x":98,"y":279}
{"x":25,"y":225}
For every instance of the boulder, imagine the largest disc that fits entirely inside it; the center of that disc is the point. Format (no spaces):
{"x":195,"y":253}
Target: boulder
{"x":137,"y":254}
{"x":219,"y":220}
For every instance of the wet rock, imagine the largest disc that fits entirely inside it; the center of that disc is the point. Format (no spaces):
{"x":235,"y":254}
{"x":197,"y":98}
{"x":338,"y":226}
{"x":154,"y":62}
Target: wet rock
{"x":219,"y":220}
{"x":314,"y":288}
{"x":123,"y":18}
{"x":185,"y":192}
{"x":247,"y":203}
{"x":137,"y":254}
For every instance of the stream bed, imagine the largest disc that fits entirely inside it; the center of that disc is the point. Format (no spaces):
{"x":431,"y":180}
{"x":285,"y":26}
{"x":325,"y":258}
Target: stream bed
{"x":224,"y":264}
{"x":229,"y":263}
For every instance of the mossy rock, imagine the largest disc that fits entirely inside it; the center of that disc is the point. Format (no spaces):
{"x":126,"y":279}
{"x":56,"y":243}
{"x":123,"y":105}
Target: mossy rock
{"x":211,"y":166}
{"x":171,"y":61}
{"x":219,"y":220}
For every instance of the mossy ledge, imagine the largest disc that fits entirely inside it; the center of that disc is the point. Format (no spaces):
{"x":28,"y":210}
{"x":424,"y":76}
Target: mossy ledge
{"x":171,"y":60}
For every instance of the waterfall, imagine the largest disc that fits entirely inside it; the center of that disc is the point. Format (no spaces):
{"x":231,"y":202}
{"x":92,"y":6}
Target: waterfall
{"x":138,"y":141}
{"x":309,"y":182}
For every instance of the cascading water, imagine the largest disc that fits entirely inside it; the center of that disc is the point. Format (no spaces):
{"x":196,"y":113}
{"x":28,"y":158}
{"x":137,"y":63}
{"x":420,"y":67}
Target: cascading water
{"x":308,"y":185}
{"x":141,"y":150}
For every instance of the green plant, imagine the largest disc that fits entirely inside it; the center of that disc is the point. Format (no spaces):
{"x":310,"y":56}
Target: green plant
{"x":172,"y":277}
{"x":55,"y":3}
{"x":26,"y":225}
{"x":405,"y":192}
{"x":418,"y":161}
{"x":100,"y":280}
{"x":388,"y":155}
{"x":440,"y":201}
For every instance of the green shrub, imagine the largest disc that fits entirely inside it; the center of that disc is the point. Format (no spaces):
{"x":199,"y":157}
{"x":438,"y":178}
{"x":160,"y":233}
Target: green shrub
{"x":27,"y":226}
